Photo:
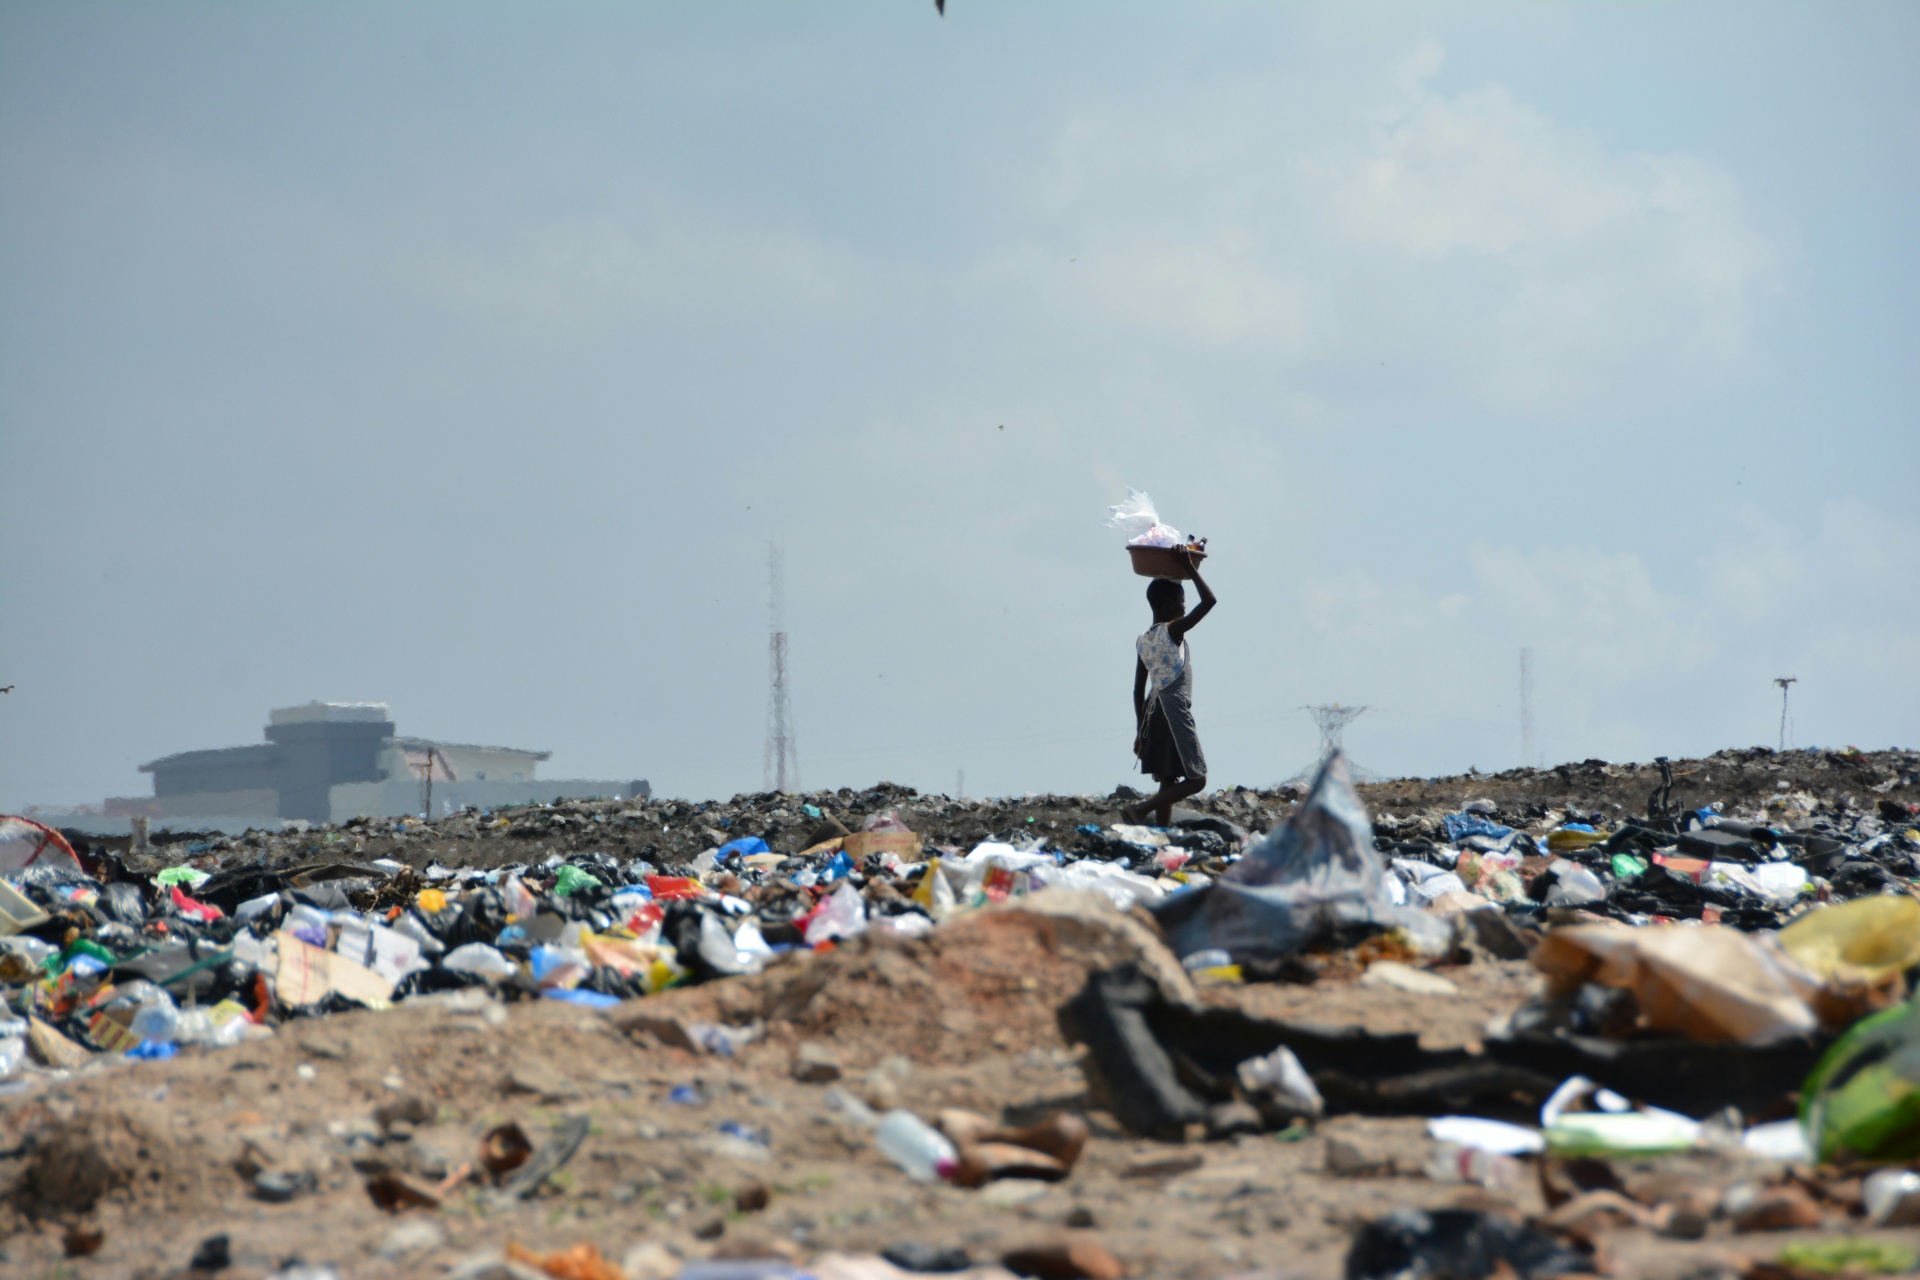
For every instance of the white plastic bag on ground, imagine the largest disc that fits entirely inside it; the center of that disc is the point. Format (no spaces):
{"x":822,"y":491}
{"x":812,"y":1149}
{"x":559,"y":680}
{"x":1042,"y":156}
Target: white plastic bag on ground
{"x":388,"y":952}
{"x":726,"y":952}
{"x":1281,"y":1078}
{"x":1422,"y":880}
{"x":1479,"y":1134}
{"x":480,"y":960}
{"x":908,"y":924}
{"x":1574,"y":885}
{"x":1118,"y":885}
{"x":844,"y":915}
{"x":1780,"y":881}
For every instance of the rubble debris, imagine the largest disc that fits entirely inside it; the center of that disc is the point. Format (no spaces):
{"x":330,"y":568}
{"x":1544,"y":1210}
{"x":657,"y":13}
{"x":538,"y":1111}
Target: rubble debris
{"x":785,"y":944}
{"x":1074,"y":1260}
{"x":814,"y":1064}
{"x":1457,"y":1242}
{"x":1317,"y":877}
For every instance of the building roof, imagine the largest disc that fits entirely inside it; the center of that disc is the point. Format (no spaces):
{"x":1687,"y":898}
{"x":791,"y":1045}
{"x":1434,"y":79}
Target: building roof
{"x":331,"y":713}
{"x":422,"y":743}
{"x":211,"y":756}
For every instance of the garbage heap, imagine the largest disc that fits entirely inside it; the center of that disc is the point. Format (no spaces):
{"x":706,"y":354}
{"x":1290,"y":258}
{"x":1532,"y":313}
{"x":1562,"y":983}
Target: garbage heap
{"x":1731,"y":974}
{"x":212,"y":939}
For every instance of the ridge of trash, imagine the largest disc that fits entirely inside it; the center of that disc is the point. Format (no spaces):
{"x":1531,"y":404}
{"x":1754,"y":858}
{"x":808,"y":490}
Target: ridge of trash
{"x":1724,"y":949}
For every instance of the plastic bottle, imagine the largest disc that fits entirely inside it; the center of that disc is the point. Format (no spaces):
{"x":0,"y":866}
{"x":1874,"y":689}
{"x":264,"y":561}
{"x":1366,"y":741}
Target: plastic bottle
{"x":13,"y":1044}
{"x":1892,"y":1198}
{"x":916,"y":1146}
{"x":156,"y":1019}
{"x":1451,"y":1162}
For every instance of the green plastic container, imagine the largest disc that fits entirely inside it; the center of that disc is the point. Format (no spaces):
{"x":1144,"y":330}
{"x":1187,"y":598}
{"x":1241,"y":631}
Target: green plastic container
{"x":1864,"y":1096}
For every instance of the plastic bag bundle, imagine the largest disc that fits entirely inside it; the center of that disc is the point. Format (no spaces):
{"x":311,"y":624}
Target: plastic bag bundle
{"x":1315,"y":877}
{"x":1141,"y":523}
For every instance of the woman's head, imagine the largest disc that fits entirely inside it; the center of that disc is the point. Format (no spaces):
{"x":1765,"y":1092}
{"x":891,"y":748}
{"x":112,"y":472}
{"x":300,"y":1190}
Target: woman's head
{"x":1166,"y":598}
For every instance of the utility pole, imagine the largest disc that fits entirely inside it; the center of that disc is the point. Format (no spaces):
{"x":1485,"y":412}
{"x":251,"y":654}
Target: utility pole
{"x":426,"y":797}
{"x":1526,"y":708}
{"x":960,"y":785}
{"x":781,"y":766}
{"x":1784,"y":682}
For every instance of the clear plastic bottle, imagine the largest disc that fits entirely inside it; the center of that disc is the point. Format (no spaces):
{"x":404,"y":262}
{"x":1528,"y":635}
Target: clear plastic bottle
{"x":156,"y":1018}
{"x":916,"y":1146}
{"x":1892,"y":1198}
{"x":1451,"y":1162}
{"x":13,"y":1053}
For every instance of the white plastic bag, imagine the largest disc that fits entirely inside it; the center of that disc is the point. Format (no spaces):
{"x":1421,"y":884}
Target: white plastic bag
{"x":1280,"y":1076}
{"x":843,"y":916}
{"x":1137,"y":519}
{"x":480,"y":960}
{"x":725,"y":952}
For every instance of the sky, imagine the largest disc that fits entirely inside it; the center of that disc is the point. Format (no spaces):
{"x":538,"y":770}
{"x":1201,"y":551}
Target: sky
{"x":469,"y":357}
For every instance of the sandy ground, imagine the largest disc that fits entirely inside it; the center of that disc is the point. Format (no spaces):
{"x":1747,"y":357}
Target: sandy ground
{"x":157,"y":1156}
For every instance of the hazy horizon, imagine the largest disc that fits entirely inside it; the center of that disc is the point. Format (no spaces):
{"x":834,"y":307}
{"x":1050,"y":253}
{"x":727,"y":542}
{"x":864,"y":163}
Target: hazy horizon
{"x":468,"y":357}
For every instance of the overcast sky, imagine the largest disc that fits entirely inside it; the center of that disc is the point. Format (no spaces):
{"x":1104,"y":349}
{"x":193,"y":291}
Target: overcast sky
{"x":467,"y":357}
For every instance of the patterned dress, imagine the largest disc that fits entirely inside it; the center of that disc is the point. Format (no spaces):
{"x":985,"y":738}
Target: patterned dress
{"x":1170,"y":747}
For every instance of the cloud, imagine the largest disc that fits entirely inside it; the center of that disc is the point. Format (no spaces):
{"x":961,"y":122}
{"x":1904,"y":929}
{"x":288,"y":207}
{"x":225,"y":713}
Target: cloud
{"x":1630,"y":664}
{"x":1469,"y":241}
{"x":1599,"y":264}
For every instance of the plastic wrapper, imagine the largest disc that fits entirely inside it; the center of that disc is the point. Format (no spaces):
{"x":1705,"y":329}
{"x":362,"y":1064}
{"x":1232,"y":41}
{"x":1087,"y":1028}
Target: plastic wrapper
{"x":1708,"y":982}
{"x":1141,"y":524}
{"x":842,"y":914}
{"x":1279,"y":1081}
{"x":742,"y":952}
{"x":1111,"y":881}
{"x":479,"y":960}
{"x":1314,"y":878}
{"x":1868,"y":939}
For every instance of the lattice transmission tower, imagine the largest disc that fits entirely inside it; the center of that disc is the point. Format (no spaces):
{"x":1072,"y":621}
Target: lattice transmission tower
{"x":1333,"y":719}
{"x":782,"y":765}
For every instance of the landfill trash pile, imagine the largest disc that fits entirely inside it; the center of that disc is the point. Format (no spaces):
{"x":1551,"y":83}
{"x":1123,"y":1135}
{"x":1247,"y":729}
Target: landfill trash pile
{"x":1632,"y":1004}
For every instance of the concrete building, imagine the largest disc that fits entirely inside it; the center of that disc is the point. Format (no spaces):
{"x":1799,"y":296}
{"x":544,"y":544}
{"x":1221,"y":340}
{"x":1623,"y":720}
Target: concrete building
{"x":331,"y":761}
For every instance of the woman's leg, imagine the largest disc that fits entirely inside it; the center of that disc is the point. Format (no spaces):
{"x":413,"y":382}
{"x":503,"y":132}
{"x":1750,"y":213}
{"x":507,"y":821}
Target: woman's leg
{"x":1171,"y":793}
{"x":1160,"y":804}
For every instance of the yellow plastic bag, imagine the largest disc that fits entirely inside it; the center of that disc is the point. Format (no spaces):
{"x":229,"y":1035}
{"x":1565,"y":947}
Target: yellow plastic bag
{"x":1567,"y":841}
{"x":1866,"y":940}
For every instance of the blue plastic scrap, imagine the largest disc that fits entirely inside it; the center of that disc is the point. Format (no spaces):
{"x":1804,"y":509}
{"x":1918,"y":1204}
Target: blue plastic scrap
{"x":744,"y":846}
{"x":1459,"y":826}
{"x":747,"y":1133}
{"x":581,"y":996}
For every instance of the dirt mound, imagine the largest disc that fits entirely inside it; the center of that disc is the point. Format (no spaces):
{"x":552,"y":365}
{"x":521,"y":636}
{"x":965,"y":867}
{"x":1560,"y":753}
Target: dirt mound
{"x":101,"y":1151}
{"x":993,"y":979}
{"x":989,"y":979}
